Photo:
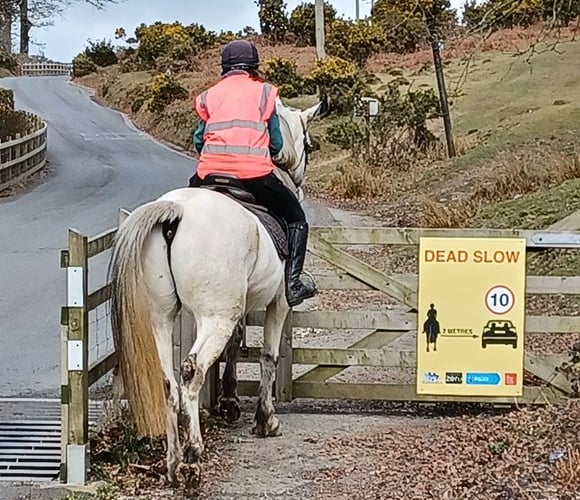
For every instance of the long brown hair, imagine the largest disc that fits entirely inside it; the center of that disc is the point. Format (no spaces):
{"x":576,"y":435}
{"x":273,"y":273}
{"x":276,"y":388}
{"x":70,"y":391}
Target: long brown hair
{"x":256,"y":74}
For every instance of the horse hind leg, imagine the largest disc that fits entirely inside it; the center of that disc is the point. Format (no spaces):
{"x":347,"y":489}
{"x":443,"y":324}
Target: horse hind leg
{"x":266,"y":423}
{"x":163,"y":331}
{"x":229,"y":401}
{"x":163,"y":311}
{"x":213,"y":335}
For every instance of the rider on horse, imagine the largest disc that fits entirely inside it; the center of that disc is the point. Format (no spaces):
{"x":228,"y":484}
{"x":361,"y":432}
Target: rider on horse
{"x":238,"y":134}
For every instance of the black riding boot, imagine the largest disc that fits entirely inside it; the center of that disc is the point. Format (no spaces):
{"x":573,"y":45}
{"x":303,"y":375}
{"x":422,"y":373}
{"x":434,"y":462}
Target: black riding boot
{"x":296,"y":291}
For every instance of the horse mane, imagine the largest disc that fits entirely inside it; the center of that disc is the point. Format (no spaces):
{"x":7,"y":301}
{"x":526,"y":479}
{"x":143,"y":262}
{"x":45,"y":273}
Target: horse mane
{"x":286,"y":158}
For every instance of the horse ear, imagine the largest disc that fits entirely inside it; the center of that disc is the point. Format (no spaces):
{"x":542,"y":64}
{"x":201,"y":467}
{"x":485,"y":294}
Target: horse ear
{"x":319,"y":110}
{"x":324,"y":109}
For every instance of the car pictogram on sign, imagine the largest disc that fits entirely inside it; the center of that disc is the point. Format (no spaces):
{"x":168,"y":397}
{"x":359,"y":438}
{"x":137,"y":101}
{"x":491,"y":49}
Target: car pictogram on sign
{"x":499,"y":332}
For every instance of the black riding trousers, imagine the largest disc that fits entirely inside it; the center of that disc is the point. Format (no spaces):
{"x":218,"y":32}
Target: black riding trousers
{"x":270,"y":192}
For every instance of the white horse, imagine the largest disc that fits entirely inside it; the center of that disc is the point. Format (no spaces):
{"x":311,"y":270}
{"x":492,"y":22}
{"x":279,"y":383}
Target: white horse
{"x":220,"y":262}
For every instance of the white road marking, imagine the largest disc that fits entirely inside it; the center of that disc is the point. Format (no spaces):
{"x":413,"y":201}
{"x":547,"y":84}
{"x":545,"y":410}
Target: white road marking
{"x":114,"y":136}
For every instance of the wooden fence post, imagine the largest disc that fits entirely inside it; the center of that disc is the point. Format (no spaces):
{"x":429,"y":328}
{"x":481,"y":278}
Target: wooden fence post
{"x":77,"y":354}
{"x":284,"y":366}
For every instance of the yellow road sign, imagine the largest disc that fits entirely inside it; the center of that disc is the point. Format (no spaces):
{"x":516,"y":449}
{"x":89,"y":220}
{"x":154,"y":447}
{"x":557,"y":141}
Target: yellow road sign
{"x":471,"y":313}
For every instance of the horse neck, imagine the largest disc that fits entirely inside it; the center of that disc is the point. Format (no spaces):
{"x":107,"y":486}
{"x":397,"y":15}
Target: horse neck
{"x":285,"y":177}
{"x":288,"y":156}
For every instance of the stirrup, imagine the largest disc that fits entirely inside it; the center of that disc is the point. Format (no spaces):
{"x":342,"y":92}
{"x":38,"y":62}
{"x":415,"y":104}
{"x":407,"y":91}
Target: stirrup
{"x":311,"y":278}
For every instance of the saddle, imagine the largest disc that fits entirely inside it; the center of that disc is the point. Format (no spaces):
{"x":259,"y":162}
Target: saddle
{"x":232,"y":187}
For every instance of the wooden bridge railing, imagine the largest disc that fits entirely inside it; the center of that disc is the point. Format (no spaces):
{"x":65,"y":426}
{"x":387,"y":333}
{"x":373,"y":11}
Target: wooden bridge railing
{"x":45,"y":69}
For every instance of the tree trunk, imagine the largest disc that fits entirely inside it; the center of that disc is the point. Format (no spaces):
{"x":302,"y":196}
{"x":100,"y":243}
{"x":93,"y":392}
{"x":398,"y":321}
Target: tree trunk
{"x":5,"y":33}
{"x":24,"y":27}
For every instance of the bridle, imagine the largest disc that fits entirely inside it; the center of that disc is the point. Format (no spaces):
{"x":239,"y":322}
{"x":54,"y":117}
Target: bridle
{"x":305,"y":156}
{"x":307,"y":147}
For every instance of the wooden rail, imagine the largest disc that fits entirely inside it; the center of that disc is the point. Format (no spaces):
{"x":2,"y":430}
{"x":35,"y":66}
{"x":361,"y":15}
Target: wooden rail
{"x":21,"y":156}
{"x":46,"y":69}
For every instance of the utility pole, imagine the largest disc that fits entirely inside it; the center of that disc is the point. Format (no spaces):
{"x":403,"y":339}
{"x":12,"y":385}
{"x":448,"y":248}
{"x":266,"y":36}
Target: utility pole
{"x":24,"y":27}
{"x":436,"y":48}
{"x":319,"y":21}
{"x":357,"y":3}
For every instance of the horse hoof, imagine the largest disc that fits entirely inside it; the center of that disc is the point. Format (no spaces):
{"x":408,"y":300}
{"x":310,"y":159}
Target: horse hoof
{"x":264,"y":432}
{"x":276,"y":430}
{"x":192,"y":454}
{"x":230,"y":409}
{"x":188,"y":475}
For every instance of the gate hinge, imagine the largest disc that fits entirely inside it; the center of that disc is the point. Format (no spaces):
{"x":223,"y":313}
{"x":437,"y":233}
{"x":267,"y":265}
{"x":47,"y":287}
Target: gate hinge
{"x":64,"y":258}
{"x":64,"y":394}
{"x":64,"y":316}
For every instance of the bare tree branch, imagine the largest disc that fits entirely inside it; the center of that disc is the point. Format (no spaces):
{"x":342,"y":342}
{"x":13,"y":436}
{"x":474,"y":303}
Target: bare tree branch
{"x":36,"y":14}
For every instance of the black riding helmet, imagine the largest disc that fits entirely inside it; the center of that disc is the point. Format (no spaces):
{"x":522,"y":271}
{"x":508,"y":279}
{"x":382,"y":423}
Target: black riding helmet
{"x":239,"y":54}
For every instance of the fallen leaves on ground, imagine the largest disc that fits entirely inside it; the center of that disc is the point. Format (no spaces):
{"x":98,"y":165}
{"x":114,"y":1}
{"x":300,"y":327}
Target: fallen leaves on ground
{"x":532,"y":453}
{"x":132,"y":466}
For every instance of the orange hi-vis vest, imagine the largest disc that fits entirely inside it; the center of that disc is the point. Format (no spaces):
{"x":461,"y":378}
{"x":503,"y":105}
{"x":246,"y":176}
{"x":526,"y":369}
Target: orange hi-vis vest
{"x":236,"y":141}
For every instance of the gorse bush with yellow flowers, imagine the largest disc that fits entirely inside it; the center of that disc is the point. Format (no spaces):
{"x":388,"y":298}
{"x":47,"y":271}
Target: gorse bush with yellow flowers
{"x":498,"y":14}
{"x":161,"y":91}
{"x":283,"y":73}
{"x":356,"y":41}
{"x":159,"y":40}
{"x":82,"y":65}
{"x":341,"y":80}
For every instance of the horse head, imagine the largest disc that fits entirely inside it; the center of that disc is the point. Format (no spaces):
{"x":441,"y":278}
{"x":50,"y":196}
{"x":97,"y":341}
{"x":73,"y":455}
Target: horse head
{"x":292,"y":160}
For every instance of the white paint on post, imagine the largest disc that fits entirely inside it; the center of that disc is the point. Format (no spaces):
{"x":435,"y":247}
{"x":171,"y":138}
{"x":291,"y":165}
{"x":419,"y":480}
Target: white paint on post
{"x":77,"y":464}
{"x":74,"y":287}
{"x":75,"y":355}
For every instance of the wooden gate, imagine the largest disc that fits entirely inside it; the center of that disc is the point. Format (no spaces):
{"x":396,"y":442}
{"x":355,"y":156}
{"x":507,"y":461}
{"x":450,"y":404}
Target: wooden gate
{"x":390,"y":327}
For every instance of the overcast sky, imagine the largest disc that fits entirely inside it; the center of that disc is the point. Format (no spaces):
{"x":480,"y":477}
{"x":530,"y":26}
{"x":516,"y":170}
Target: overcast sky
{"x":69,"y":34}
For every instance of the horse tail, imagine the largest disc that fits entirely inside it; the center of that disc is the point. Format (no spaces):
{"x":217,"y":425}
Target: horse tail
{"x":137,"y":354}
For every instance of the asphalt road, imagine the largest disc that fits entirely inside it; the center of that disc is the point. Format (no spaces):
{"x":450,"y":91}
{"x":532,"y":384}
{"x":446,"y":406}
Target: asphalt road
{"x":98,"y":163}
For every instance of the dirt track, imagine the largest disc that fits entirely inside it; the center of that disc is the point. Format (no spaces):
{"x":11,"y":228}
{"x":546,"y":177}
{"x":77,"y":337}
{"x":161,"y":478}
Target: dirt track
{"x":286,"y":466}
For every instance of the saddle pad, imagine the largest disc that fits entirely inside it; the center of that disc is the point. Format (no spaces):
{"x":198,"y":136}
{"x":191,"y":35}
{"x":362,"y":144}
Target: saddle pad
{"x":276,"y":231}
{"x":276,"y":228}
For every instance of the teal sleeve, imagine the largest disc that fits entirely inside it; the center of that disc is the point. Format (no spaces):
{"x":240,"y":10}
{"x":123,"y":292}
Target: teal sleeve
{"x":276,"y":140}
{"x":198,"y":136}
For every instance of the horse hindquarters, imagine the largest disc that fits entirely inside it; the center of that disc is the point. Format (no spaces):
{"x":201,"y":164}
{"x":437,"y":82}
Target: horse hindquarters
{"x":211,"y":259}
{"x":221,"y":263}
{"x":139,"y":278}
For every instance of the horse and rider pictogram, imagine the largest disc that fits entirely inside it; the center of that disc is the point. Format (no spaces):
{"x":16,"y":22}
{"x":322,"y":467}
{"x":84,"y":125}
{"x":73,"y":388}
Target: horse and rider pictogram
{"x":431,"y":327}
